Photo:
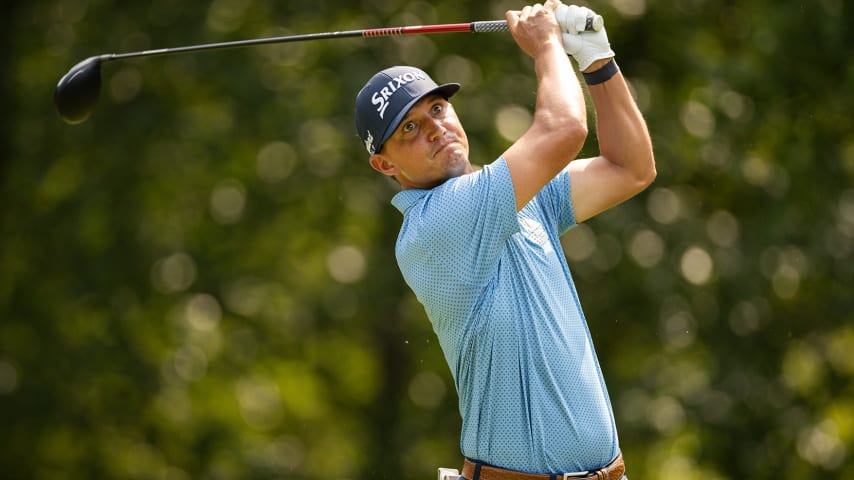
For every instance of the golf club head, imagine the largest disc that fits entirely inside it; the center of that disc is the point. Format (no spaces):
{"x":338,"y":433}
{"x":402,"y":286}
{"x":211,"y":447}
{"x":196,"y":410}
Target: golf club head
{"x":77,"y":91}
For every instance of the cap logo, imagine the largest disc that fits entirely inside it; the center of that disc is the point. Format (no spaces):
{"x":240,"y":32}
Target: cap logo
{"x":381,"y":96}
{"x":369,"y":143}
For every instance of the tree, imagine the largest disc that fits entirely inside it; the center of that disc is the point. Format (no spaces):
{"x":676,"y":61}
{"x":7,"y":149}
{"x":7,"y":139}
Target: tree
{"x":199,"y":281}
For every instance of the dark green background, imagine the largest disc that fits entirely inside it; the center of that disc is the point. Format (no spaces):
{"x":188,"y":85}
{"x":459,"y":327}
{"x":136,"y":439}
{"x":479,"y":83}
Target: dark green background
{"x":199,"y":281}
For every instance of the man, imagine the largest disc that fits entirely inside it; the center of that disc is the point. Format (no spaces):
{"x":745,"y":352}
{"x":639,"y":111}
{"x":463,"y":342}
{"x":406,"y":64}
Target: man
{"x":481,"y":249}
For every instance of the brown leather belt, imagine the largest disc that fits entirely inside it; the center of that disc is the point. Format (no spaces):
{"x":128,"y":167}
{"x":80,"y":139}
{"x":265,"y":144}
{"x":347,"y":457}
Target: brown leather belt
{"x":613,"y":471}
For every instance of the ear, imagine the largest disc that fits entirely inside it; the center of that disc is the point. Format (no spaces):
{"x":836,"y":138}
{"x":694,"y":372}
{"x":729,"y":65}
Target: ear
{"x":382,"y":164}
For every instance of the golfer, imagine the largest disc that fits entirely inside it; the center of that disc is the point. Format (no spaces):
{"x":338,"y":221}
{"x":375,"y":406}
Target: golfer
{"x":481,"y":250}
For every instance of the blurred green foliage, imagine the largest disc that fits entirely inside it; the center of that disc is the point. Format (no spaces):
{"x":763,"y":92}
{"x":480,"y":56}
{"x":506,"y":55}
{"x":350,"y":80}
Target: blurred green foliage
{"x":199,"y":282}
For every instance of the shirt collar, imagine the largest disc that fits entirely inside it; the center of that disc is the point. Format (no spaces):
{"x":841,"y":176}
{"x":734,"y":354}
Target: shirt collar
{"x":405,"y":199}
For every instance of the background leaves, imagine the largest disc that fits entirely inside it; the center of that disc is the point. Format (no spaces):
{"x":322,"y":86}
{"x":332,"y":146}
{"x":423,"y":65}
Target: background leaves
{"x":199,"y":281}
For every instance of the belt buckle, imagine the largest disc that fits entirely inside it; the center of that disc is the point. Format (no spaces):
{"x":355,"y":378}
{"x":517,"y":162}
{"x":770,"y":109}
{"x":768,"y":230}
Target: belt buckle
{"x":581,"y":474}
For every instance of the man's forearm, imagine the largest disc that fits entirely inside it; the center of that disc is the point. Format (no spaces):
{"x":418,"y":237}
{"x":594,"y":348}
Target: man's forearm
{"x":560,"y":99}
{"x":621,"y":130}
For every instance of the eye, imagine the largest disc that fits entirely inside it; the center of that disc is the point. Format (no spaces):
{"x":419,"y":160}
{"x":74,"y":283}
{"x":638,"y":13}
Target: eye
{"x":438,"y":108}
{"x":408,"y":127}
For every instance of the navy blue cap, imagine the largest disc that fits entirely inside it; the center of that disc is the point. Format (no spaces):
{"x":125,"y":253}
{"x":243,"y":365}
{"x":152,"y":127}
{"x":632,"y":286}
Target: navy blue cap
{"x":387,"y":97}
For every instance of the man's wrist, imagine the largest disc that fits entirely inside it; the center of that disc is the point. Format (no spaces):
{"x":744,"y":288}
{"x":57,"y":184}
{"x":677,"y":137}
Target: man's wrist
{"x":600,"y":71}
{"x":596,"y":65}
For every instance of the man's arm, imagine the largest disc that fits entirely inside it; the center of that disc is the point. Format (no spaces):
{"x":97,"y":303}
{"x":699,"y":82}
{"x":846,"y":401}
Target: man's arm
{"x":626,"y":165}
{"x":559,"y":127}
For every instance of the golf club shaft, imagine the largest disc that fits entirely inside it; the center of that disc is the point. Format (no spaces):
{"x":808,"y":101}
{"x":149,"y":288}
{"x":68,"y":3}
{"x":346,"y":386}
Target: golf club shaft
{"x":484,"y":26}
{"x":77,"y":91}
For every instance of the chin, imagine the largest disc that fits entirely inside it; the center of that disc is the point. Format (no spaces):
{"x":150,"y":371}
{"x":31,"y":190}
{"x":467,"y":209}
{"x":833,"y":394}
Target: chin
{"x":459,"y":163}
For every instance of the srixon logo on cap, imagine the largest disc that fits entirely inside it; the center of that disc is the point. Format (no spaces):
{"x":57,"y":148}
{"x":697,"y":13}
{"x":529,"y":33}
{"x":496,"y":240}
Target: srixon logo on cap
{"x":380,"y":97}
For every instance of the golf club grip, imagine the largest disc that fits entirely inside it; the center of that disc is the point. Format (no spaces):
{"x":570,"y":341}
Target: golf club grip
{"x":490,"y":26}
{"x":593,"y":24}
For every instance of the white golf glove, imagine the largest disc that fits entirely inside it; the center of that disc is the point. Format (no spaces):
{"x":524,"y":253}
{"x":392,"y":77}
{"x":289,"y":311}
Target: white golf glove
{"x":585,"y":46}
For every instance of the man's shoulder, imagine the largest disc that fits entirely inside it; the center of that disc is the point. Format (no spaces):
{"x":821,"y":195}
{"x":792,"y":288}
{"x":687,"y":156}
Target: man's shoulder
{"x":456,"y":190}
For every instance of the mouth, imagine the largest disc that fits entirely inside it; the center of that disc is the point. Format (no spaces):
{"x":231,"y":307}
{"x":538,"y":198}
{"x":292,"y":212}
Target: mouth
{"x":444,"y":146}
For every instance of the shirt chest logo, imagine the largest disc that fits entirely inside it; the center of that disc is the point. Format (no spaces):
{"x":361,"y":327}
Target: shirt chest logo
{"x":534,"y":231}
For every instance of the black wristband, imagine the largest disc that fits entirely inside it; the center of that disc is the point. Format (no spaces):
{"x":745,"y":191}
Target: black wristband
{"x":602,"y":74}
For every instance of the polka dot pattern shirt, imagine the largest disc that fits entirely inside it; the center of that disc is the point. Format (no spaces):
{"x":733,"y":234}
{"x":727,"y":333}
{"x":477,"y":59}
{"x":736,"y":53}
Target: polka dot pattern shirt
{"x":496,"y":287}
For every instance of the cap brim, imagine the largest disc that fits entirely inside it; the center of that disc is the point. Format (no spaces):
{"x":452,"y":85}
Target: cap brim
{"x":447,"y":90}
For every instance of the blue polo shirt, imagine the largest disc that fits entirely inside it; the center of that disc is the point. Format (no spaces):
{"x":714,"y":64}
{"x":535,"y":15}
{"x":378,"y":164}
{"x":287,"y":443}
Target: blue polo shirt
{"x":496,"y":288}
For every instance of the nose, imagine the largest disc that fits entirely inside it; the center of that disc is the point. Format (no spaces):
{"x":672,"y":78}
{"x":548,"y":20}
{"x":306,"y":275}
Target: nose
{"x":435,"y":129}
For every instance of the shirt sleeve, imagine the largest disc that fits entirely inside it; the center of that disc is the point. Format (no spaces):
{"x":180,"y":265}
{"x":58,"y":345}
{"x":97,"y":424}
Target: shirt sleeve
{"x":556,"y":197}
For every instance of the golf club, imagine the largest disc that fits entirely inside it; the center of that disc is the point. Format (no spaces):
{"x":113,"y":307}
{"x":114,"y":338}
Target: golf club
{"x":77,"y":91}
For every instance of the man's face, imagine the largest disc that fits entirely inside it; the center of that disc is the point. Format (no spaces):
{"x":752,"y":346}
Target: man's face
{"x":428,"y":147}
